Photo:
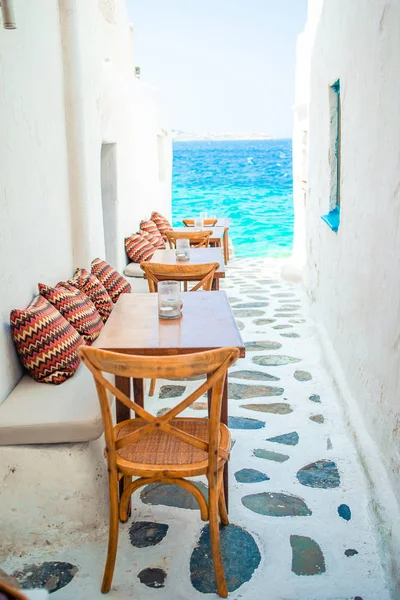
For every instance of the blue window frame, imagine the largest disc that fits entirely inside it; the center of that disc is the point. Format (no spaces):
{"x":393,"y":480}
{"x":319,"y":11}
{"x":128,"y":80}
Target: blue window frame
{"x":333,"y":217}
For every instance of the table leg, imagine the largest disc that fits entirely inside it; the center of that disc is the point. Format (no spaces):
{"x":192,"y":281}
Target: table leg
{"x":215,"y":284}
{"x":226,"y":246}
{"x":122,"y":413}
{"x":224,"y":420}
{"x":138,"y":392}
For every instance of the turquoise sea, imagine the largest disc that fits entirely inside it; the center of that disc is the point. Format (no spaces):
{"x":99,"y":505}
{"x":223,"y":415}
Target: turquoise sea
{"x":248,"y":181}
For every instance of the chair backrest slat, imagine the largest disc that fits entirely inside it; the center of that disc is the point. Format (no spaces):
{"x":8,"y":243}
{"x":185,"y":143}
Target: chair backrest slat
{"x":197,"y":239}
{"x":201,"y":273}
{"x":207,"y":222}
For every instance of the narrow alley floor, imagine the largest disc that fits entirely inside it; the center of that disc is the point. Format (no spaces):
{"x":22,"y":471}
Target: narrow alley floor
{"x":301,"y":524}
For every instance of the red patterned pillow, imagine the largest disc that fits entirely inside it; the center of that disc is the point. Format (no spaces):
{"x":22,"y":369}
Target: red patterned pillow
{"x":77,"y":308}
{"x":46,"y":343}
{"x":162,"y":223}
{"x":151,"y":228}
{"x":114,"y":283}
{"x":92,"y":287}
{"x":155,"y":241}
{"x":138,"y":248}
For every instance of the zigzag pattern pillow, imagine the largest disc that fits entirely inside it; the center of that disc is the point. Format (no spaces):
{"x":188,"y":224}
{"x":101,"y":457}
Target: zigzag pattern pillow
{"x":92,"y":287}
{"x":114,"y":283}
{"x":151,"y":228}
{"x":77,"y":308}
{"x":162,"y":223}
{"x":46,"y":343}
{"x":138,"y":248}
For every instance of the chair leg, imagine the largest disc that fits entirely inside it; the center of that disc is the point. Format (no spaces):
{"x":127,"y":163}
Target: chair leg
{"x":152,"y":387}
{"x":215,"y":539}
{"x":223,"y":513}
{"x":112,"y":535}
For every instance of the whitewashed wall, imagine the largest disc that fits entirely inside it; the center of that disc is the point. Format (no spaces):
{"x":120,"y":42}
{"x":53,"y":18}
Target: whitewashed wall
{"x":67,"y":86}
{"x":353,"y":277}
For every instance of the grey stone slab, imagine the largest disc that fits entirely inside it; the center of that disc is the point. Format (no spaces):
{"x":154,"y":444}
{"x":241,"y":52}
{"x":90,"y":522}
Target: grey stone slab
{"x":307,"y":557}
{"x":171,"y":495}
{"x":268,"y":455}
{"x":344,"y":512}
{"x":350,"y":552}
{"x":277,"y":408}
{"x":302,"y":376}
{"x":276,"y":505}
{"x":284,"y":295}
{"x":244,"y":423}
{"x":50,"y":576}
{"x":317,"y":419}
{"x":249,"y":312}
{"x":252,"y":305}
{"x":240,"y":556}
{"x":153,"y":577}
{"x":264,"y":321}
{"x":289,"y":439}
{"x":171,"y":391}
{"x":290,"y":335}
{"x":240,"y":325}
{"x":253,"y":375}
{"x":239,"y":391}
{"x":262,"y":345}
{"x":297,"y":320}
{"x":143,"y":534}
{"x":319,"y":474}
{"x":283,"y":314}
{"x":282,"y":326}
{"x":275,"y":360}
{"x":250,"y":476}
{"x":315,"y":398}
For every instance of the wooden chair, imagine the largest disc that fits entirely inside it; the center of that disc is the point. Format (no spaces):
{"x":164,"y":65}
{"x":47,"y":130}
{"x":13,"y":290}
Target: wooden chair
{"x":197,"y":239}
{"x":11,"y":593}
{"x":202,"y":273}
{"x":207,"y":222}
{"x":165,"y":449}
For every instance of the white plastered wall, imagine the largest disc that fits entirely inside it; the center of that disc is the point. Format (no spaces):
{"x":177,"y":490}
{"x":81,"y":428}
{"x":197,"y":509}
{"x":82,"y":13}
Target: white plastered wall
{"x":353,"y":277}
{"x":67,"y":85}
{"x":35,"y":227}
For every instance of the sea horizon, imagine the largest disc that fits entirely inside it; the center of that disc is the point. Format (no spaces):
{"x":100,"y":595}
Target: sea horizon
{"x":249,"y":181}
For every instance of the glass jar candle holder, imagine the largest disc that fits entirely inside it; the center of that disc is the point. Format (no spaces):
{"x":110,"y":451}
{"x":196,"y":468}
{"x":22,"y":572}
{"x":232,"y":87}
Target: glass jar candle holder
{"x":198,"y":223}
{"x":169,"y":299}
{"x":203,"y":215}
{"x":182,"y":249}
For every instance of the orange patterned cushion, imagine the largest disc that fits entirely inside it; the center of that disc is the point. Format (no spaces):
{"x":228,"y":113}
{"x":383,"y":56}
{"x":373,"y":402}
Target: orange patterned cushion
{"x":151,"y":228}
{"x":161,"y":222}
{"x":92,"y":287}
{"x":46,"y":343}
{"x":154,"y":240}
{"x":138,"y":248}
{"x":114,"y":283}
{"x":77,"y":308}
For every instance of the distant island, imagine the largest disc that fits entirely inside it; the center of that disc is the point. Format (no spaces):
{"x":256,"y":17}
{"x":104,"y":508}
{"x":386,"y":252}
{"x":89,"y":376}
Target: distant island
{"x":183,"y":136}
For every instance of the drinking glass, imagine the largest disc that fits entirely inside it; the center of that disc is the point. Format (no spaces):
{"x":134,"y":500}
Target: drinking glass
{"x":182,"y":249}
{"x":203,"y":215}
{"x":169,"y":299}
{"x":198,"y":223}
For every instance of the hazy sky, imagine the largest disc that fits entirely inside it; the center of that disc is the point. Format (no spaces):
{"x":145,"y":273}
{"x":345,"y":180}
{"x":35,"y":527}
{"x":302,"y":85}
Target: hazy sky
{"x":221,"y":65}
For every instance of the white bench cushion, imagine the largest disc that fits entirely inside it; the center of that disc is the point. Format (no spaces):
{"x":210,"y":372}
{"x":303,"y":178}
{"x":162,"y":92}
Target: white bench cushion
{"x":133,"y":270}
{"x":40,"y":413}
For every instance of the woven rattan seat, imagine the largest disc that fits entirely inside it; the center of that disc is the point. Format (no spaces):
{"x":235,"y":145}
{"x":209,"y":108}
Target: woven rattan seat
{"x":160,"y":448}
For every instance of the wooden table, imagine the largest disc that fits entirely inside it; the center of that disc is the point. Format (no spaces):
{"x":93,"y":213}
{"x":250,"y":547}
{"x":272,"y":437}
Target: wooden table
{"x":217,"y":233}
{"x":198,"y":256}
{"x":133,"y":327}
{"x":224,"y":223}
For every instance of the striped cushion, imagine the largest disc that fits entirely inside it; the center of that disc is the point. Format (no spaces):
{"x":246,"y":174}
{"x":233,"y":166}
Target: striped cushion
{"x":114,"y":283}
{"x":77,"y":308}
{"x":92,"y":287}
{"x":151,"y":228}
{"x":154,"y":240}
{"x":161,"y":222}
{"x":46,"y":343}
{"x":138,"y":248}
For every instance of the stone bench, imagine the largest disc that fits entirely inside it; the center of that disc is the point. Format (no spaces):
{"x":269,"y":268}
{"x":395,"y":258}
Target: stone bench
{"x":52,"y":472}
{"x":135,"y":276}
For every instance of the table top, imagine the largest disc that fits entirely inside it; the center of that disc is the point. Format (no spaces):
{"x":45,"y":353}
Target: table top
{"x":198,"y":256}
{"x":217,"y":233}
{"x":222,"y":222}
{"x":207,"y":322}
